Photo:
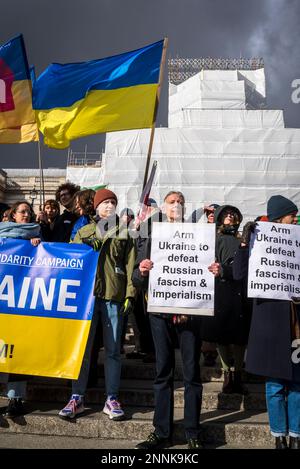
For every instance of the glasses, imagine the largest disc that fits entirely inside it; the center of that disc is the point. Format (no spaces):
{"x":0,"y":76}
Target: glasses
{"x":23,"y":212}
{"x":229,"y":214}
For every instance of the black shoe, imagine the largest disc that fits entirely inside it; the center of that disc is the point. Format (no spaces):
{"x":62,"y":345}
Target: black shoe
{"x":15,"y":408}
{"x":280,"y":442}
{"x":194,"y":443}
{"x":154,"y":442}
{"x":294,"y":442}
{"x":135,"y":355}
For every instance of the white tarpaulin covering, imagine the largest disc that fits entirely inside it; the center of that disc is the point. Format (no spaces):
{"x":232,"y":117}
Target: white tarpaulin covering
{"x":243,"y":167}
{"x":209,"y":95}
{"x":227,"y":118}
{"x":226,"y":155}
{"x":84,"y":176}
{"x":219,"y":89}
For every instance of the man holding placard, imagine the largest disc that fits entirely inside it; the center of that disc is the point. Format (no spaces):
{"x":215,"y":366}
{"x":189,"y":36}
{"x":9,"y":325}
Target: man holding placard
{"x":179,"y":283}
{"x":274,"y":340}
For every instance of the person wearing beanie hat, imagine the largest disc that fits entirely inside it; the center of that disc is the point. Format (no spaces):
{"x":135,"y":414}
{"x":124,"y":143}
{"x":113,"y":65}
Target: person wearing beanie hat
{"x":275,"y":327}
{"x":102,"y":195}
{"x":279,"y":206}
{"x":114,"y":300}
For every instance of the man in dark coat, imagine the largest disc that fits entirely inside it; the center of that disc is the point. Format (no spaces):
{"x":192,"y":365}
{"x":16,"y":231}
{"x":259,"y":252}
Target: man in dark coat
{"x":164,"y":327}
{"x":275,"y":324}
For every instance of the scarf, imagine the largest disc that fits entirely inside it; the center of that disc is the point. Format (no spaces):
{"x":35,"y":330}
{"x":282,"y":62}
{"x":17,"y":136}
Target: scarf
{"x":9,"y":229}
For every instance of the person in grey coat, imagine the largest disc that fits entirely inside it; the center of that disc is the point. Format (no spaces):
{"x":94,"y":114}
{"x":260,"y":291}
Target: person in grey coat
{"x":274,"y":328}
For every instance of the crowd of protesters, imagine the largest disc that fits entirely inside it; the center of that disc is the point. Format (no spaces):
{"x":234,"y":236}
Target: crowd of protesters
{"x":252,"y":334}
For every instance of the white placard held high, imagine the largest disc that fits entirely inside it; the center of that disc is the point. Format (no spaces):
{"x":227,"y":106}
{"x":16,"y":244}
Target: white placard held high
{"x":180,"y":282}
{"x":274,"y":263}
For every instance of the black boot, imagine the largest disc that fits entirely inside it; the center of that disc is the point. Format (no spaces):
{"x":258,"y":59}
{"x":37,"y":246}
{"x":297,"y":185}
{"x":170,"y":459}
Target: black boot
{"x":15,"y":408}
{"x":228,"y":383}
{"x":294,"y":442}
{"x":238,"y":386}
{"x":280,"y":442}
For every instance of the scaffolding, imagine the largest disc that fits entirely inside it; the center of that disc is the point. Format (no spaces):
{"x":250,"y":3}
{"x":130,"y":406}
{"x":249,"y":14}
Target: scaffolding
{"x":180,"y":69}
{"x":84,"y":158}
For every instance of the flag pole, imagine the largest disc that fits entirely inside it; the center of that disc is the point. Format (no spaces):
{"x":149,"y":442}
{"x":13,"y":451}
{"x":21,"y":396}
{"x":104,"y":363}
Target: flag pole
{"x":42,"y":187}
{"x":161,"y":74}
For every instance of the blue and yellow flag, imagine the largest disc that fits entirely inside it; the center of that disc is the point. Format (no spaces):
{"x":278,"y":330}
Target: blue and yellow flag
{"x":80,"y":99}
{"x":17,"y":118}
{"x":46,"y":307}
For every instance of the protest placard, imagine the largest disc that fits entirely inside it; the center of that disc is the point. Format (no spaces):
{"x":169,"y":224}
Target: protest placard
{"x":46,"y":307}
{"x":274,"y":263}
{"x":180,"y":282}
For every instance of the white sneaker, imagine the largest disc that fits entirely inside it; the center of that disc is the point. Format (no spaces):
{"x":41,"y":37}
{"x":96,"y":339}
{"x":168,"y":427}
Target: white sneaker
{"x":74,"y":407}
{"x":113,"y":409}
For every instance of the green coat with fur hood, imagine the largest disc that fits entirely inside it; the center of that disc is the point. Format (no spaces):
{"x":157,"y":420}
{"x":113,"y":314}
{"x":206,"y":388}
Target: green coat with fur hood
{"x":115,"y":264}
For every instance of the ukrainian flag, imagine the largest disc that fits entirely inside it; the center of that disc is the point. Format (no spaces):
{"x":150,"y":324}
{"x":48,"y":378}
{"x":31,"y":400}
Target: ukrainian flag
{"x":80,"y":99}
{"x":17,"y":118}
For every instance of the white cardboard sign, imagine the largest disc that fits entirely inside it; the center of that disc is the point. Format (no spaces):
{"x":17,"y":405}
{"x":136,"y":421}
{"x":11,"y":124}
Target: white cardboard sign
{"x":274,"y":263}
{"x":180,"y":282}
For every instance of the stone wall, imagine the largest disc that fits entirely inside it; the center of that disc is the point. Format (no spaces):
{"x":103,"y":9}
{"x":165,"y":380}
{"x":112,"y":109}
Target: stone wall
{"x":17,"y":184}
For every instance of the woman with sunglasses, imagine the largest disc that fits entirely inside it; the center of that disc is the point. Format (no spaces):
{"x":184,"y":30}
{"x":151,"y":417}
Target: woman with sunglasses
{"x":229,"y":327}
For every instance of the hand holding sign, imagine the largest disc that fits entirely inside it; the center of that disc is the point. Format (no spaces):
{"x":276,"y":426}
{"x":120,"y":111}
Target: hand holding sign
{"x":145,"y":266}
{"x":215,"y":269}
{"x":247,"y":231}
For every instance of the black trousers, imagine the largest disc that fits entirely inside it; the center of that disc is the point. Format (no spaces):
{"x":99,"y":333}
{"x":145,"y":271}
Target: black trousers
{"x":163,"y":332}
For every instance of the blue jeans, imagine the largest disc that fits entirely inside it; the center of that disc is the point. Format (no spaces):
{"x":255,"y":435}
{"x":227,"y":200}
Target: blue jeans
{"x":108,"y":312}
{"x":283,"y":403}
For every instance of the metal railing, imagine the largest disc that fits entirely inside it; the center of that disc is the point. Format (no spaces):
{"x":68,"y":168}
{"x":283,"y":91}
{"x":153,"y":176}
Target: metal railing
{"x":180,"y":69}
{"x":84,"y":158}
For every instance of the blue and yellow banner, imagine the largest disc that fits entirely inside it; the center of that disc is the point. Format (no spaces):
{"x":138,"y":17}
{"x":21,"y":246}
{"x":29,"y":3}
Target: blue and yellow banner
{"x":115,"y":93}
{"x":46,"y":306}
{"x":17,"y":118}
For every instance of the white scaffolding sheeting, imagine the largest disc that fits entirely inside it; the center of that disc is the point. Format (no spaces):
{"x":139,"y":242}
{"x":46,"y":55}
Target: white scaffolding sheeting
{"x":221,"y":146}
{"x":243,"y":167}
{"x":208,"y":95}
{"x":84,"y":176}
{"x":233,"y":118}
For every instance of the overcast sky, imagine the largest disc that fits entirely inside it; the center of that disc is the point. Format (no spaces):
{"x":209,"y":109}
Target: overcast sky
{"x":78,"y":30}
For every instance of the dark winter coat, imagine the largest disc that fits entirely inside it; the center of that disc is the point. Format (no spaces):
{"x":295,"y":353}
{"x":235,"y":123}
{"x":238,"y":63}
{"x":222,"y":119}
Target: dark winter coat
{"x":143,"y":245}
{"x":62,"y":228}
{"x":269,"y":347}
{"x":232,"y":313}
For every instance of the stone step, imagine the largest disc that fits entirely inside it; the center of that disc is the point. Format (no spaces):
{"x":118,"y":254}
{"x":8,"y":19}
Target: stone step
{"x":19,"y":441}
{"x":136,"y":369}
{"x":242,"y":428}
{"x":140,"y":393}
